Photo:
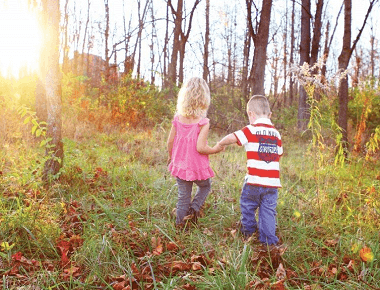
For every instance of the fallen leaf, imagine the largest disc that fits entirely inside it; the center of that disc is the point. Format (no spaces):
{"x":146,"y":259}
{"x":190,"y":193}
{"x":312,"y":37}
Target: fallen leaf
{"x":279,"y":285}
{"x":366,"y":254}
{"x":17,"y":256}
{"x":180,"y":266}
{"x":119,"y":285}
{"x":280,"y":273}
{"x":171,"y":246}
{"x":188,"y":287}
{"x":196,"y":266}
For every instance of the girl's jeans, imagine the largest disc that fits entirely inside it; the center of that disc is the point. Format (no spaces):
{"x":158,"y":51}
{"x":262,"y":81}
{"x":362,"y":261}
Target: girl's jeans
{"x":264,"y":198}
{"x":184,"y":196}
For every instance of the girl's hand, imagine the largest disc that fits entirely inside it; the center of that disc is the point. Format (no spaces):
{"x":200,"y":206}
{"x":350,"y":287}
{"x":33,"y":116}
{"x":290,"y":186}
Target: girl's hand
{"x":218,"y":148}
{"x":168,"y":161}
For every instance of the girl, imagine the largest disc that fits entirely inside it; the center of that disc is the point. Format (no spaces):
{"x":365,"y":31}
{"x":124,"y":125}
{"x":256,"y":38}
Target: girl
{"x":188,"y":149}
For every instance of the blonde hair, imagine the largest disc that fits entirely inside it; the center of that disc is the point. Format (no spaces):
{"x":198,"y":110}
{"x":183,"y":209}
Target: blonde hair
{"x":259,"y":105}
{"x":193,"y":98}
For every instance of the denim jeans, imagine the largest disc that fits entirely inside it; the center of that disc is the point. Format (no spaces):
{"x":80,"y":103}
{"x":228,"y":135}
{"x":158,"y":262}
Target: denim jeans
{"x":264,"y":198}
{"x":184,"y":196}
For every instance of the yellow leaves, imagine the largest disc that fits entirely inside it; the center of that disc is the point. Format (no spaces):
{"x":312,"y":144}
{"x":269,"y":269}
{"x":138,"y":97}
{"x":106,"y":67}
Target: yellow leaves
{"x":6,"y":247}
{"x":366,"y":254}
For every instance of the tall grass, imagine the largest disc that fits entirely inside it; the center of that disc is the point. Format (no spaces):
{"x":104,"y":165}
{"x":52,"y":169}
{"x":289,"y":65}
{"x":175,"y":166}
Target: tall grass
{"x":125,"y":198}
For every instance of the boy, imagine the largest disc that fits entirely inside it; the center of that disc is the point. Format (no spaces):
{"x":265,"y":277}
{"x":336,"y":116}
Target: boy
{"x":263,"y":145}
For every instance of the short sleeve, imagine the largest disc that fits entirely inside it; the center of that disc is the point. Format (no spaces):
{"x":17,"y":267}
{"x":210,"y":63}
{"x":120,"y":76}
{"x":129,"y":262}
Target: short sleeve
{"x":175,"y":121}
{"x":241,"y":136}
{"x":204,"y":121}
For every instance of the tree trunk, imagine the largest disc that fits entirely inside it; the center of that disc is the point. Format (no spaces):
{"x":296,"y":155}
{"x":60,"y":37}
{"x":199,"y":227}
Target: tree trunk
{"x":260,"y":40}
{"x":303,"y":108}
{"x":244,"y":77}
{"x":207,"y":41}
{"x":166,"y":60}
{"x":52,"y":84}
{"x":172,"y":73}
{"x":285,"y":61}
{"x":343,"y":61}
{"x":291,"y":57}
{"x":106,"y":35}
{"x":65,"y":63}
{"x":183,"y":40}
{"x":317,"y":32}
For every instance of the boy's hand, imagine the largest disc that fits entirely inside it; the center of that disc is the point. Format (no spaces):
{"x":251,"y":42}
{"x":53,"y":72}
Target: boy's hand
{"x":218,"y":148}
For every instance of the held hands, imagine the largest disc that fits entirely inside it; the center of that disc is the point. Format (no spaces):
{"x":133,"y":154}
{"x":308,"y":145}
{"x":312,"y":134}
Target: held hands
{"x":218,"y":148}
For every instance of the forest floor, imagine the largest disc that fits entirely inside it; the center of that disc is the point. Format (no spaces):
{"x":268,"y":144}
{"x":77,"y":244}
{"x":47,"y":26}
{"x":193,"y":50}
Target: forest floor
{"x":108,"y":222}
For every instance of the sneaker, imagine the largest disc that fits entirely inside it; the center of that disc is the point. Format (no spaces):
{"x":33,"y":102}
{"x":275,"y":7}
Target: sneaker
{"x":192,"y":215}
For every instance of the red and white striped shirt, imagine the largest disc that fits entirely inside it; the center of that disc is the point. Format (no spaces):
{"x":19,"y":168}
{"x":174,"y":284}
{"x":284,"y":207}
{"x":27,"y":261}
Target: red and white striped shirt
{"x":264,"y":148}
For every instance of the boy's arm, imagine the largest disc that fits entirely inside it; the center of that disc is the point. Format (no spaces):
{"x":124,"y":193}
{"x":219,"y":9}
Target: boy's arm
{"x":170,"y":142}
{"x":228,"y":140}
{"x":202,"y":146}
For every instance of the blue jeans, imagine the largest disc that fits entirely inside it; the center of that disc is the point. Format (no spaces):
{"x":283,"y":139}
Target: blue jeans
{"x":264,"y":198}
{"x":184,"y":196}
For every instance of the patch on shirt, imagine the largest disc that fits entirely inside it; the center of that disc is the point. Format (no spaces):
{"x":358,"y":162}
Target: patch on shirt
{"x":267,"y":149}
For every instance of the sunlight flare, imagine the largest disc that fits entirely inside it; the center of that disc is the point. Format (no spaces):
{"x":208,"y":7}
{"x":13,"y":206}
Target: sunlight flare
{"x":20,"y":38}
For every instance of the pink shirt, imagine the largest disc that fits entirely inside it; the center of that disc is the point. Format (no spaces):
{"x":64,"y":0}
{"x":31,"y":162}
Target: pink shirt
{"x":186,"y":163}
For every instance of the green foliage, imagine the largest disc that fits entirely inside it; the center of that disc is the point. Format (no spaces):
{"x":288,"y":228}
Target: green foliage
{"x":366,"y":100}
{"x":227,"y":111}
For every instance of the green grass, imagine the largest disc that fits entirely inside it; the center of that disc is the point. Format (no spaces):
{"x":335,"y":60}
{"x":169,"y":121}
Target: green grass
{"x":116,"y":195}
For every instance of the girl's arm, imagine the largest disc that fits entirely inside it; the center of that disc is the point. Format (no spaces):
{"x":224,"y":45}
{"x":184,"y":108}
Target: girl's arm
{"x":202,"y":146}
{"x":170,"y":142}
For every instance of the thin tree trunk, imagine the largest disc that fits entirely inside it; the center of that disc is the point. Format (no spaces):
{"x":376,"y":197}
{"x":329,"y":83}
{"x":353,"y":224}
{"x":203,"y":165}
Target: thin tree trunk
{"x":303,"y":108}
{"x":260,"y":40}
{"x":183,"y":41}
{"x":52,"y":84}
{"x":343,"y":62}
{"x":247,"y":44}
{"x":285,"y":60}
{"x":65,"y":63}
{"x":317,"y":32}
{"x":291,"y":58}
{"x":106,"y":35}
{"x":165,"y":72}
{"x":172,"y":73}
{"x":207,"y":40}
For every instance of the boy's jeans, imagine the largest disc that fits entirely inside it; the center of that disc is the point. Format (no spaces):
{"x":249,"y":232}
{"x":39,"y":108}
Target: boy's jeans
{"x":264,"y":198}
{"x":184,"y":196}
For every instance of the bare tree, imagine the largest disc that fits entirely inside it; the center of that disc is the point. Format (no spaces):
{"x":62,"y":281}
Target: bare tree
{"x":206,"y":71}
{"x":343,"y":62}
{"x":177,"y":14}
{"x":51,"y":80}
{"x":260,"y":40}
{"x":303,"y":109}
{"x":65,"y":50}
{"x":291,"y":57}
{"x":317,"y":32}
{"x":183,"y":41}
{"x":106,"y":36}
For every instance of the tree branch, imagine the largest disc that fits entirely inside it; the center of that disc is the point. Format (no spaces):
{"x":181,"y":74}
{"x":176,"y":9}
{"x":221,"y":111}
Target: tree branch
{"x":371,"y":4}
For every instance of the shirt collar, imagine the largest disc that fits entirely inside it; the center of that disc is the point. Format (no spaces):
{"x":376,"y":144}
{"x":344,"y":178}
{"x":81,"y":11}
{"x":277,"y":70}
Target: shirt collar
{"x":265,"y":121}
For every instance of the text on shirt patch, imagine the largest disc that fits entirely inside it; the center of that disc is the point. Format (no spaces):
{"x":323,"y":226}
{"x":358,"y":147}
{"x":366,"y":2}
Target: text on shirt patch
{"x":267,"y":149}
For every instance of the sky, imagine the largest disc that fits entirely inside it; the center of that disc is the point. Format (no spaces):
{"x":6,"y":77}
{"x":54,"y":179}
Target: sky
{"x":19,"y":37}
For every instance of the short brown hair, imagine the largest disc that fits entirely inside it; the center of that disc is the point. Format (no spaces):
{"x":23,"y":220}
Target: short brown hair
{"x":259,"y":105}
